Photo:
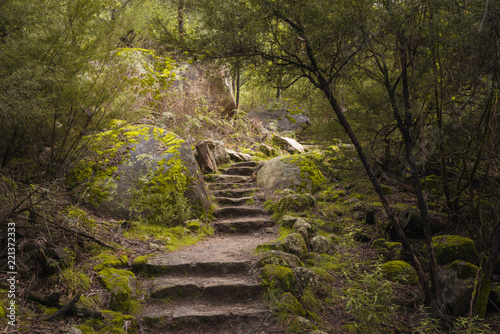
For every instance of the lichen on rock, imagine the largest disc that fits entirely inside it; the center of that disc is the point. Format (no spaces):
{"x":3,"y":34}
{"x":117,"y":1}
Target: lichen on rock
{"x":141,"y":171}
{"x":295,"y":244}
{"x":295,"y":172}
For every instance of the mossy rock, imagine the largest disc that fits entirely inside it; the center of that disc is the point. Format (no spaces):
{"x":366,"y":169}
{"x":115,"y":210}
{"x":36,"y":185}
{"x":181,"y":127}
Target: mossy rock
{"x":123,"y":287}
{"x":141,"y":171}
{"x":307,"y":278}
{"x":279,"y":258}
{"x":400,"y":271}
{"x":294,"y":202}
{"x":289,"y":305}
{"x":464,"y":269}
{"x":288,"y":220}
{"x":449,"y":248}
{"x":108,"y":260}
{"x":116,"y":322}
{"x":295,"y":244}
{"x":292,"y":171}
{"x":270,"y":246}
{"x":278,"y":277}
{"x":390,"y":250}
{"x":139,"y":263}
{"x":320,"y":244}
{"x":299,"y":324}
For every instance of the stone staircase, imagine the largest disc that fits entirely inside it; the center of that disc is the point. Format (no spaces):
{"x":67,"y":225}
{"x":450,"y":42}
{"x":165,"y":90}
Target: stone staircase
{"x":213,"y":287}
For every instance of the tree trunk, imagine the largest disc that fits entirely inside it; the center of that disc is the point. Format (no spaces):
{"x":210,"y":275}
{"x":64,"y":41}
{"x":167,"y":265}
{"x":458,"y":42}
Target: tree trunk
{"x":180,"y":18}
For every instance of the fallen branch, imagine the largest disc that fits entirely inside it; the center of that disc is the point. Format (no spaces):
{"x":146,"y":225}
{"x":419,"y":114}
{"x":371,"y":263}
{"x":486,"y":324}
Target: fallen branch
{"x":63,"y":309}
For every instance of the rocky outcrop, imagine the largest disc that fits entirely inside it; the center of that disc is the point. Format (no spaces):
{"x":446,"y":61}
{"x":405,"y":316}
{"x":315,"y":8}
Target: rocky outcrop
{"x":288,"y":144}
{"x":290,"y":172}
{"x":280,"y":115}
{"x":210,"y":154}
{"x":134,"y":170}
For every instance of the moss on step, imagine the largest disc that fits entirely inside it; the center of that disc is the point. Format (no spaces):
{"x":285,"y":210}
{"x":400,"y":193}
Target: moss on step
{"x":110,"y":260}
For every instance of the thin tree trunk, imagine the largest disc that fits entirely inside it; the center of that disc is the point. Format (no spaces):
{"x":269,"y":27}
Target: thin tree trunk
{"x":180,"y":19}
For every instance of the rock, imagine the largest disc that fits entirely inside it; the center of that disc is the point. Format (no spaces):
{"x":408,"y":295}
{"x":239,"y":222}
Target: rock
{"x":272,"y":245}
{"x":464,"y":269}
{"x":288,"y":304}
{"x":307,"y":277}
{"x":288,"y":144}
{"x":288,"y":221}
{"x":318,"y":332}
{"x":293,"y":172}
{"x":63,"y":255}
{"x":134,"y":169}
{"x":320,"y":244}
{"x":279,"y":258}
{"x":278,"y":277}
{"x":390,"y":250}
{"x":267,"y":150}
{"x":237,"y":156}
{"x":122,"y":284}
{"x":456,"y":293}
{"x":210,"y":154}
{"x":295,"y":244}
{"x":280,"y":115}
{"x":303,"y":227}
{"x":299,"y":323}
{"x":295,"y":202}
{"x":109,"y":260}
{"x":449,"y":248}
{"x":400,"y":271}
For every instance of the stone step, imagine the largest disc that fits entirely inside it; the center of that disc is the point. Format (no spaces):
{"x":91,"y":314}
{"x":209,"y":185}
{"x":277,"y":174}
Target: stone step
{"x":239,"y":211}
{"x":220,"y":186}
{"x":242,"y":225}
{"x":238,"y":170}
{"x":219,"y":178}
{"x":227,"y":288}
{"x":205,"y":316}
{"x":235,"y":193}
{"x":184,"y":264}
{"x":245,"y":164}
{"x":234,"y":201}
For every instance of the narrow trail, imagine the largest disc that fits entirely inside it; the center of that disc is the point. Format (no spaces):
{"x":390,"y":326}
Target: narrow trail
{"x":213,"y":286}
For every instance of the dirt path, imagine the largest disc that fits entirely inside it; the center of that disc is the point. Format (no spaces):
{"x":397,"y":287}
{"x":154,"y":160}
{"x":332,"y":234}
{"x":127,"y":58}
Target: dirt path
{"x":213,"y":286}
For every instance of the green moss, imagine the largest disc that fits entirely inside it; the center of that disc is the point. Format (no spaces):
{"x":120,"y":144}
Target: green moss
{"x":400,"y":271}
{"x":449,"y":248}
{"x":278,"y":277}
{"x":139,"y":263}
{"x":119,"y":282}
{"x":309,"y":172}
{"x":108,"y":259}
{"x":386,"y":190}
{"x":464,"y":269}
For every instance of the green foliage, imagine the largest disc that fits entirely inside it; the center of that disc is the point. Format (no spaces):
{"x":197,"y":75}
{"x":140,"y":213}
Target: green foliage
{"x":369,"y":301}
{"x":60,"y":79}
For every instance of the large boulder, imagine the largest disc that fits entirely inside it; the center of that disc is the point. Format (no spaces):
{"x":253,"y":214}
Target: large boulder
{"x":449,"y":248}
{"x":143,"y":171}
{"x":280,"y":115}
{"x":290,"y":172}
